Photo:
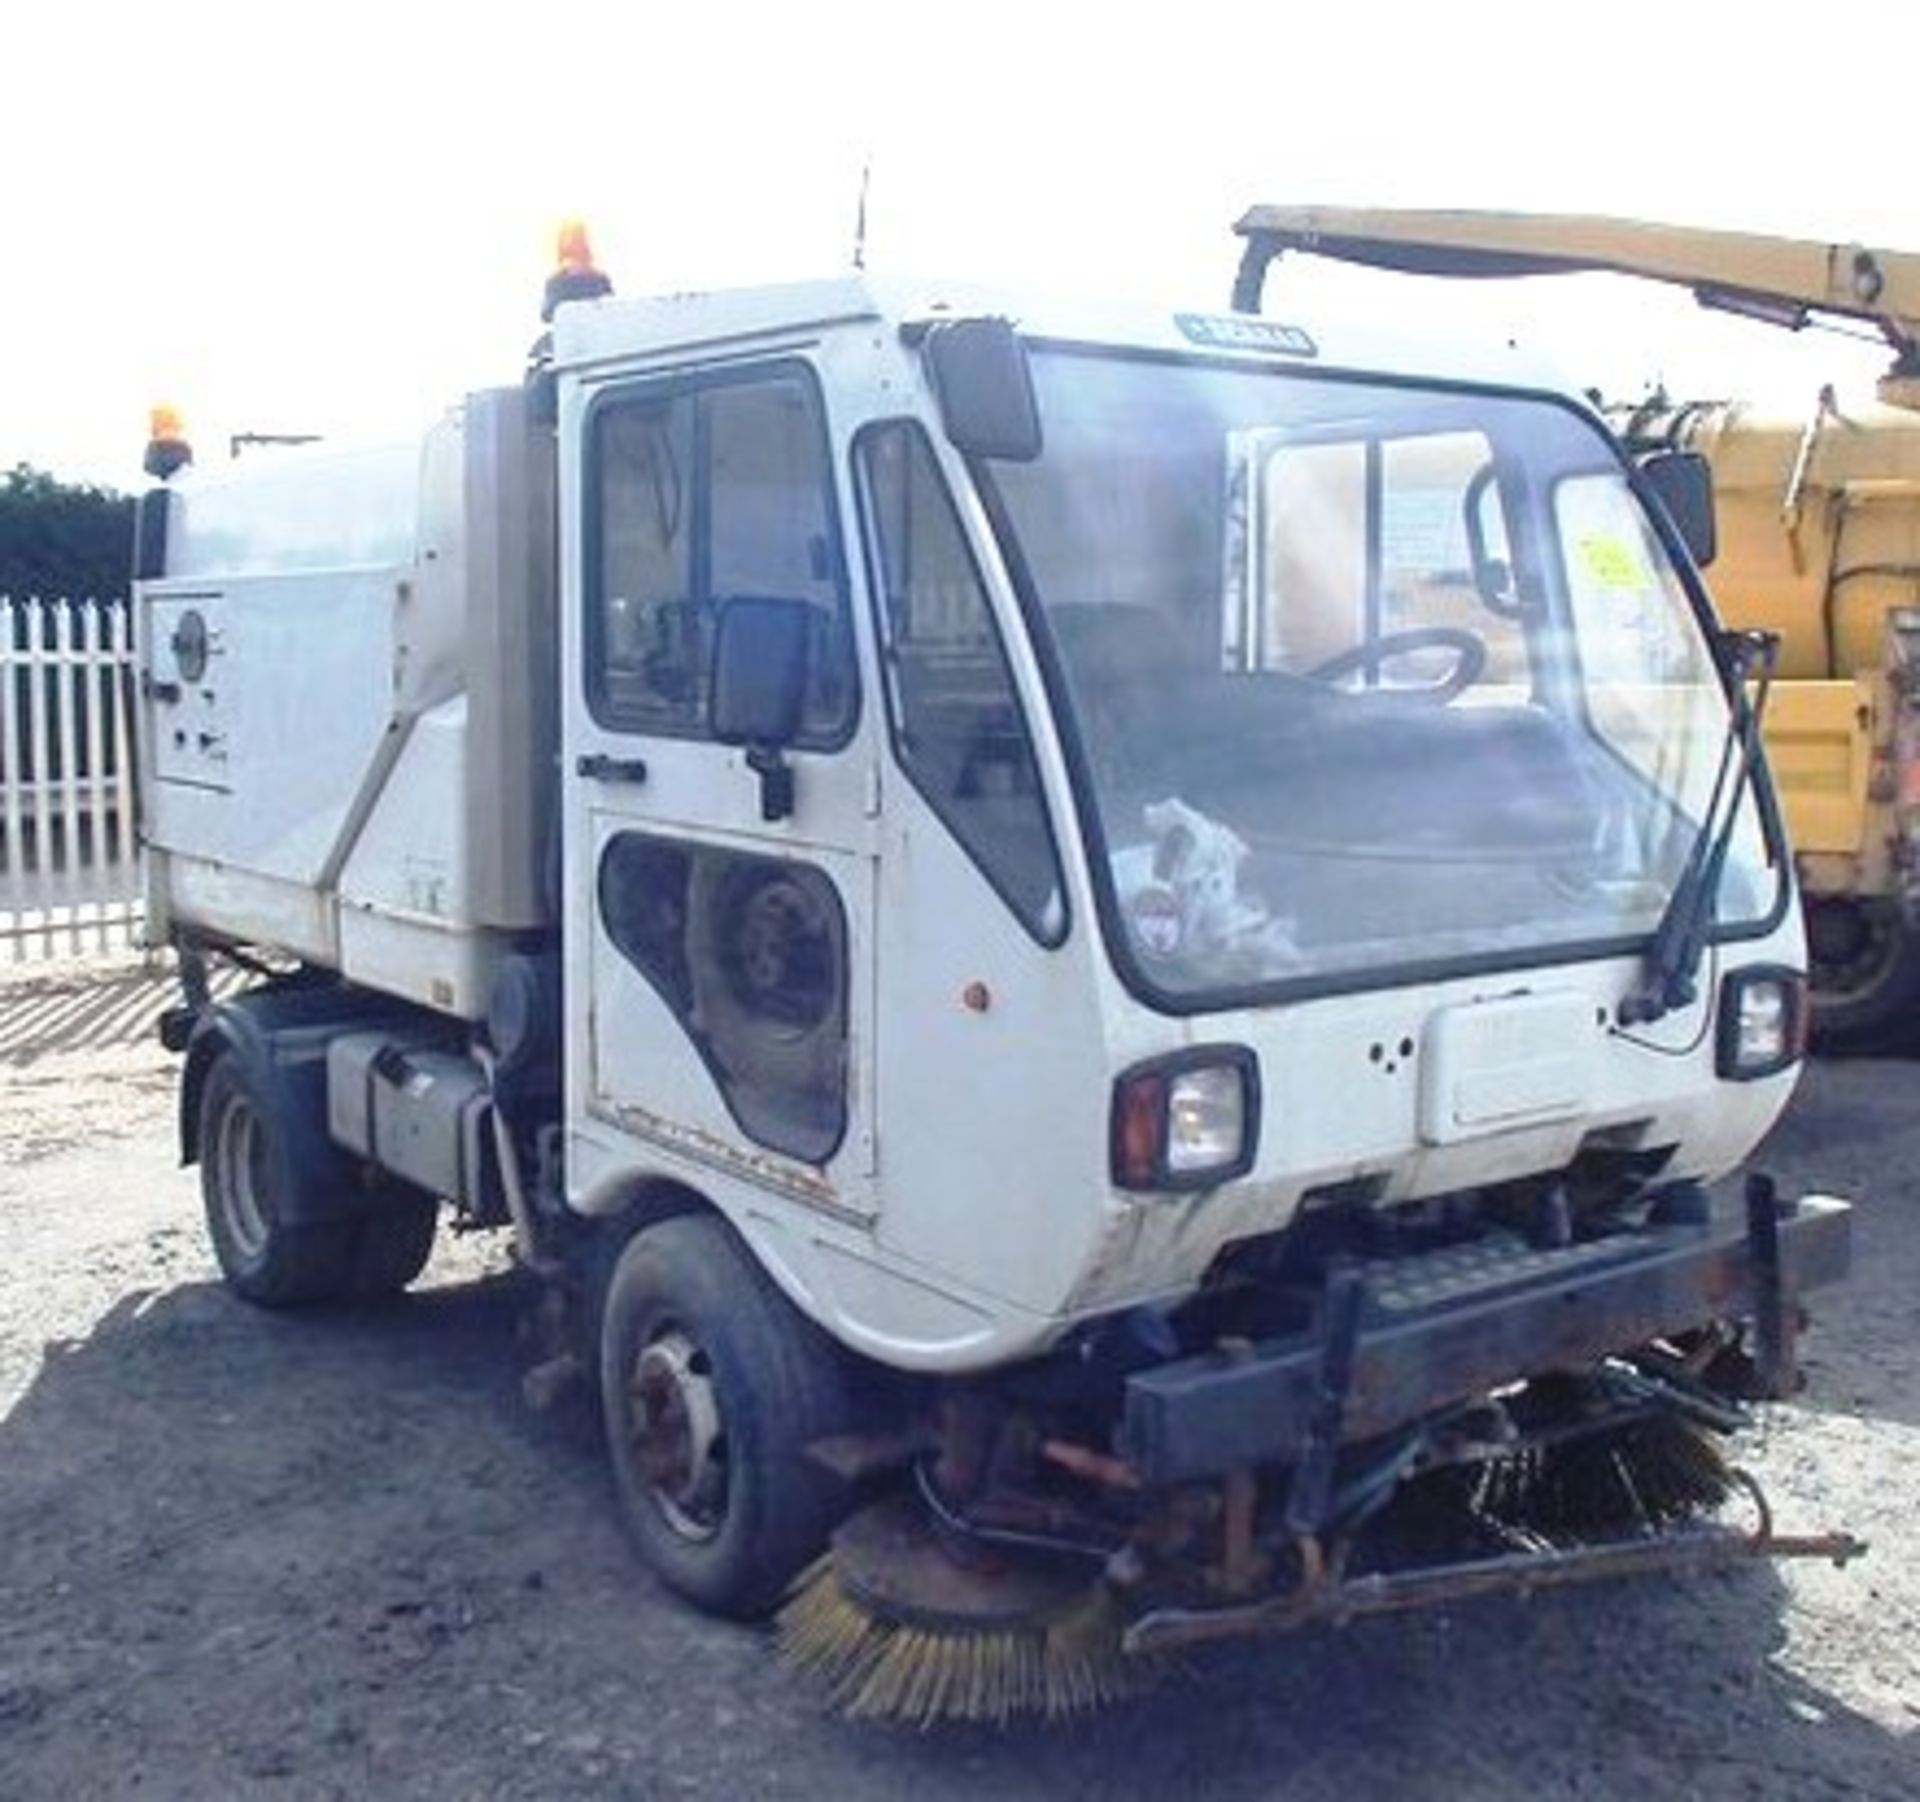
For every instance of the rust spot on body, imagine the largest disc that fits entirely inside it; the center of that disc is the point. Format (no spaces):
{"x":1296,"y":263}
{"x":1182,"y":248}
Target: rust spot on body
{"x":801,"y":1182}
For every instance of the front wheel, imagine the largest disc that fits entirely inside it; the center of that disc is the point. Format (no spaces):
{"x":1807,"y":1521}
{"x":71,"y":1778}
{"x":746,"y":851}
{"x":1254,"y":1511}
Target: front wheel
{"x":712,"y":1387}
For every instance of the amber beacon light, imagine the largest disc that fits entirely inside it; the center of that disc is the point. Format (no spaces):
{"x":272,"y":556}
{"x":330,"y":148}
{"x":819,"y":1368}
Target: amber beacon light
{"x":575,"y":275}
{"x":168,"y":451}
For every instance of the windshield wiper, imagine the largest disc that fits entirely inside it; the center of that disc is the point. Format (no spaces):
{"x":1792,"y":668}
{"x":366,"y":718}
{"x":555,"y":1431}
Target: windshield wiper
{"x":1669,"y":977}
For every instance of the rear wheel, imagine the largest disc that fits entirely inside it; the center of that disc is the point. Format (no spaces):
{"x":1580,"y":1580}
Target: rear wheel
{"x":247,"y":1184}
{"x":393,"y":1241}
{"x":1866,"y":974}
{"x":712,"y":1387}
{"x":270,"y":1249}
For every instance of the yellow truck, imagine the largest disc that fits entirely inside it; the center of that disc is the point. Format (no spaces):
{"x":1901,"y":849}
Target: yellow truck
{"x":1818,"y":522}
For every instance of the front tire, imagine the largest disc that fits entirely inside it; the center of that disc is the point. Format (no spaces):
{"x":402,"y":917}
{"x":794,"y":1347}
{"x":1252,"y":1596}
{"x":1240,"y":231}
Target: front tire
{"x":712,"y":1387}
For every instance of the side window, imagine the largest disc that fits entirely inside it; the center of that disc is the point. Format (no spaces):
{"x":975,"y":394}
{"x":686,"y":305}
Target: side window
{"x":1313,"y":507}
{"x":700,"y":495}
{"x":770,"y":528}
{"x":649,"y":655}
{"x":1365,"y":539}
{"x":1444,"y":555}
{"x":1650,"y":685}
{"x":957,"y":725}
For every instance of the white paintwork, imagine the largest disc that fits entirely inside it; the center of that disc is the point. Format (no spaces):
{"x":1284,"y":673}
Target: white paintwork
{"x":403,"y":921}
{"x":967,"y":1218}
{"x":1501,"y":1064}
{"x":705,"y":327}
{"x":254,"y":766}
{"x":310,"y":789}
{"x":319,"y":509}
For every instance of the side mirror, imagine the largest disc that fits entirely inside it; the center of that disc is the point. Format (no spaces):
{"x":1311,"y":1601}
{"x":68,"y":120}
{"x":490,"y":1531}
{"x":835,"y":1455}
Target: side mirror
{"x":760,"y":659}
{"x":980,"y":377}
{"x":1682,"y":481}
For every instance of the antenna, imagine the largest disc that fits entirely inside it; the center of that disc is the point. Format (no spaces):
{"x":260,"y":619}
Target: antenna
{"x":860,"y":215}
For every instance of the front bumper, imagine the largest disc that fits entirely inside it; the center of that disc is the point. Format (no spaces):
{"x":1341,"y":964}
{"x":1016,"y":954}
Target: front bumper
{"x":1426,"y":1333}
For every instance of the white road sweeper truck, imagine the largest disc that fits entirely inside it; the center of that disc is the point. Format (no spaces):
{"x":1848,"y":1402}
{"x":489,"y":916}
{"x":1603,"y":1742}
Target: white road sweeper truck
{"x":1100,"y":958}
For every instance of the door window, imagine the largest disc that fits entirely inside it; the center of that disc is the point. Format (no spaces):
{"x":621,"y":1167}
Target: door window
{"x":699,"y":495}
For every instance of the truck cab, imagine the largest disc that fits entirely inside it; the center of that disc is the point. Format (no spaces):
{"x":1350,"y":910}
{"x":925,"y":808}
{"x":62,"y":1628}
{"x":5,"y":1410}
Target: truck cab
{"x":1319,"y":747}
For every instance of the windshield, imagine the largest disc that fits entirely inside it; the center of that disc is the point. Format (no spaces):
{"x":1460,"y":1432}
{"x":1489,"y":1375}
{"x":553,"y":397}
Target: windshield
{"x":1362,"y":676}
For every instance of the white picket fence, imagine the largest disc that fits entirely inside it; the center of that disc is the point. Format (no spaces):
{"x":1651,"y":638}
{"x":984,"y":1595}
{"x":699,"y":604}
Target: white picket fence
{"x":69,"y":858}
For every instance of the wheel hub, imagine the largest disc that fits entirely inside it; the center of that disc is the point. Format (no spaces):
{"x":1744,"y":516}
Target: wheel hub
{"x":679,"y":1438}
{"x":239,"y":1152}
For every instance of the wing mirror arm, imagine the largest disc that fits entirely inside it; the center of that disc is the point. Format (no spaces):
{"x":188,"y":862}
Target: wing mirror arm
{"x":769,"y":763}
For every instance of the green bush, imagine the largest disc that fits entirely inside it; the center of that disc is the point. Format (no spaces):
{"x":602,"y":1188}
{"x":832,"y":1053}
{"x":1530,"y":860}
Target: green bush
{"x":57,"y":538}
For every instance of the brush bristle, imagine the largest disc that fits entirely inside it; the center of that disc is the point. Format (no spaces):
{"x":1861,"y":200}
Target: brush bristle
{"x":1651,"y":1473}
{"x":878,"y":1669}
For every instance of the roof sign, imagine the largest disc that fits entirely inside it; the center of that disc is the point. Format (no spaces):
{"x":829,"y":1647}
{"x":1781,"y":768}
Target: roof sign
{"x":1235,"y":331}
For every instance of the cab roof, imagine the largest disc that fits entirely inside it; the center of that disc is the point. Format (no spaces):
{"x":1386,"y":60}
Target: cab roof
{"x":599,"y":335}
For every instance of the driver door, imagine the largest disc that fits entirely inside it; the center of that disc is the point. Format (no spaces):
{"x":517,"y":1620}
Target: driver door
{"x":727,"y":994}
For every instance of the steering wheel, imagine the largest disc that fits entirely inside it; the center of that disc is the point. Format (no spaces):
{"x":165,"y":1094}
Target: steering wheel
{"x":1468,"y":648}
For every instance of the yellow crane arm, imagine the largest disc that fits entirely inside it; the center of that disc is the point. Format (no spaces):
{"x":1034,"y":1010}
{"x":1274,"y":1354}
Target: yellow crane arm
{"x":1783,"y":280}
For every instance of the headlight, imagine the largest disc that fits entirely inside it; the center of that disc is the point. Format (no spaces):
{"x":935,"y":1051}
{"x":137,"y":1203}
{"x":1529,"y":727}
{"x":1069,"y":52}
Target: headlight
{"x":1763,"y":1021}
{"x":1186,"y":1121}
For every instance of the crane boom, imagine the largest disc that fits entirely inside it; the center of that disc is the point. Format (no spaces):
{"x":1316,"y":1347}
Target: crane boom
{"x":1785,"y":281}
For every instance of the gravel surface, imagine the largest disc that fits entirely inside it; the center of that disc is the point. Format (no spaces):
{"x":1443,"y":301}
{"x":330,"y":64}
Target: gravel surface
{"x":331,"y":1556}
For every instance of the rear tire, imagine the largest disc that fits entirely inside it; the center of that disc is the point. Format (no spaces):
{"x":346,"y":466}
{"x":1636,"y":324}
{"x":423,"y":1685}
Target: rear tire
{"x":712,"y":1386}
{"x":393,"y":1242}
{"x":267,"y":1253}
{"x":246,"y":1184}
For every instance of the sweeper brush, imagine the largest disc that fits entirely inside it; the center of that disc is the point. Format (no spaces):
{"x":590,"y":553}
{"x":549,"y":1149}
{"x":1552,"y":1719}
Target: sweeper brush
{"x":899,"y":1625}
{"x":1639,"y":1476}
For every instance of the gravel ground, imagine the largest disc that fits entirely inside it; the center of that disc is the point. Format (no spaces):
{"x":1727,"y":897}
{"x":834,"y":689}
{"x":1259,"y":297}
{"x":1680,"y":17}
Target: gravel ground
{"x":254,"y":1555}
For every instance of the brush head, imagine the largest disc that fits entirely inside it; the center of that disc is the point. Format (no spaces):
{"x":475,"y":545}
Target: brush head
{"x":899,"y":1625}
{"x":1641,"y":1475}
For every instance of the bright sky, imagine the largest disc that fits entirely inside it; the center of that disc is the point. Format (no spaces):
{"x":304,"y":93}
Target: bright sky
{"x":337,"y":218}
